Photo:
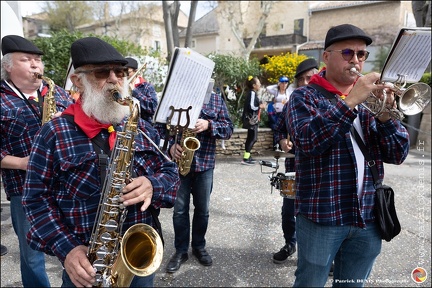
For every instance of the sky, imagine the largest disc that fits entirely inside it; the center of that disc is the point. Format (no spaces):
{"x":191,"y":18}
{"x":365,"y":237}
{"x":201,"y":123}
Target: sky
{"x":33,"y":7}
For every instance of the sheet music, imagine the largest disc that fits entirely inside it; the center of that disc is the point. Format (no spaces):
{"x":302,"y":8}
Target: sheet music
{"x":410,"y":55}
{"x":186,"y":85}
{"x":209,"y":91}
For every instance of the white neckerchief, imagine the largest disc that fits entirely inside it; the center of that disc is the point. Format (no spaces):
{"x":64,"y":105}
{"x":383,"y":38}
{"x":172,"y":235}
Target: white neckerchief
{"x":359,"y":157}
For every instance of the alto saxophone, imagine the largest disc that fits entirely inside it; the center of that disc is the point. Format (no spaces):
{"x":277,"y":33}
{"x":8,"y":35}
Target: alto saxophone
{"x":139,"y":252}
{"x":49,"y":104}
{"x":190,"y":144}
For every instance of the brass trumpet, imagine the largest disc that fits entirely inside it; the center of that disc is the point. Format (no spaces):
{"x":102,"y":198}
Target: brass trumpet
{"x":412,"y":100}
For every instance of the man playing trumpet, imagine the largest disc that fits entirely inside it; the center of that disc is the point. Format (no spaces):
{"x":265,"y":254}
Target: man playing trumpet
{"x":335,"y":188}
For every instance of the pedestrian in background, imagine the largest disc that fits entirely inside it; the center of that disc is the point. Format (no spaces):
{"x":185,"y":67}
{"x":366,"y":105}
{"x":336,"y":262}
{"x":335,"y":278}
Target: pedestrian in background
{"x":251,"y":117}
{"x":22,"y":97}
{"x":304,"y":71}
{"x":334,"y":185}
{"x":197,"y":181}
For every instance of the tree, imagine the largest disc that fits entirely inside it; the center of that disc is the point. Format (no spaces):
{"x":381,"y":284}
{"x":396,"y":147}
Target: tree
{"x":170,"y":15}
{"x":233,"y":71}
{"x":422,"y":13}
{"x":57,"y":52}
{"x":68,"y":14}
{"x":232,"y":11}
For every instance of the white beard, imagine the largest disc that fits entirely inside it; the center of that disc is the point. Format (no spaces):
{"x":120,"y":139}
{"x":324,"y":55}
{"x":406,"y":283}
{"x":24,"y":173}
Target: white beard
{"x":99,"y":105}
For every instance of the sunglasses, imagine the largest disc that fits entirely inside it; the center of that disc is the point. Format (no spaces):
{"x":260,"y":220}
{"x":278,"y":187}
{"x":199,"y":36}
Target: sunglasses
{"x":104,"y":72}
{"x":348,"y":54}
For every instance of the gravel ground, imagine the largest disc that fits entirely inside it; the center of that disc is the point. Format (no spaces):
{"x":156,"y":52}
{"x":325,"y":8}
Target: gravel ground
{"x":245,"y":230}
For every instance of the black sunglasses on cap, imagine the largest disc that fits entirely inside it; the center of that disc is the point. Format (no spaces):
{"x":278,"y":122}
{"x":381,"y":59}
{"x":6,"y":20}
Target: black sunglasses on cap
{"x":348,"y":54}
{"x":104,"y":72}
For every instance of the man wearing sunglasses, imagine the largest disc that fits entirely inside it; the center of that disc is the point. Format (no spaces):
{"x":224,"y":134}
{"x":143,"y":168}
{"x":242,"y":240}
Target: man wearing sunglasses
{"x":65,"y":173}
{"x":334,"y":186}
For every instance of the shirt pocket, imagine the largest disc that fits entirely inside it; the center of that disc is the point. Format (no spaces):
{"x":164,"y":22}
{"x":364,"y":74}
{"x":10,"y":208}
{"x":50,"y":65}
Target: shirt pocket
{"x":13,"y":123}
{"x":80,"y":176}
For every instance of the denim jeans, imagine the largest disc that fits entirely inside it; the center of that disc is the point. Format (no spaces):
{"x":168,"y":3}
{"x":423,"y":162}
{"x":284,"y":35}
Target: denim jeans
{"x":136,"y":281}
{"x":32,"y":262}
{"x":353,"y":249}
{"x":288,"y":221}
{"x":199,"y":185}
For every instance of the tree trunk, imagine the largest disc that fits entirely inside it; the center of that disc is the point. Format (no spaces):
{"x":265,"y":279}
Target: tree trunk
{"x":175,"y":10}
{"x":191,"y":20}
{"x":168,"y":28}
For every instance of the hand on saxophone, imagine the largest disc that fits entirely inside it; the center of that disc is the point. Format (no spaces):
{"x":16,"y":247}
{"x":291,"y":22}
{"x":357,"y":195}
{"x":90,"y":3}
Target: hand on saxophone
{"x":79,"y":268}
{"x":138,"y":190}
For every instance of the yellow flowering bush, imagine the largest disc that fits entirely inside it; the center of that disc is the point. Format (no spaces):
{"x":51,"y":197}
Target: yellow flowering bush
{"x":284,"y":64}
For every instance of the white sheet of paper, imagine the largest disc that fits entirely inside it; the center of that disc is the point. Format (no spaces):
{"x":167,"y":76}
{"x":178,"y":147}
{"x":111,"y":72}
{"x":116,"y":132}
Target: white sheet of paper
{"x":410,"y":55}
{"x":186,"y":85}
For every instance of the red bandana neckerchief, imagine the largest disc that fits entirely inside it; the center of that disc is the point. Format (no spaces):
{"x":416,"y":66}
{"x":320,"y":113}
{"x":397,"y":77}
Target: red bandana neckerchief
{"x":321,"y":81}
{"x":90,"y":126}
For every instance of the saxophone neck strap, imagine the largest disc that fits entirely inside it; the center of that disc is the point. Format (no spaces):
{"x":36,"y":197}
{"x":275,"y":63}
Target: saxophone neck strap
{"x":100,"y":145}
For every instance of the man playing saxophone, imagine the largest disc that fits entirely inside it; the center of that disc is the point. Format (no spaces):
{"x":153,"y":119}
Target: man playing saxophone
{"x":64,"y":183}
{"x":22,"y":99}
{"x":213,"y":123}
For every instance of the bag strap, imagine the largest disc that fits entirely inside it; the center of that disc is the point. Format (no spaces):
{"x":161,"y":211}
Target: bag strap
{"x":330,"y":96}
{"x":100,"y":146}
{"x":371,"y":163}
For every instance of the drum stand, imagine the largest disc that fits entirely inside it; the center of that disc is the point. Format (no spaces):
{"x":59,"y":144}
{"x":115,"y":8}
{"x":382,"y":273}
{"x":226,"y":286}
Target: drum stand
{"x":274,"y":176}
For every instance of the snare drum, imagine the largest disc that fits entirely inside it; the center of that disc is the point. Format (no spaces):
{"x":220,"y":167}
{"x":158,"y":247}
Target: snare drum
{"x":287,"y":185}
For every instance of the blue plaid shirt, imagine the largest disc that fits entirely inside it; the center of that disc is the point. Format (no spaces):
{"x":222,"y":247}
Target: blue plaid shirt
{"x":19,"y":124}
{"x":220,"y":127}
{"x":280,"y":132}
{"x":326,"y":171}
{"x":63,"y":186}
{"x":147,"y":96}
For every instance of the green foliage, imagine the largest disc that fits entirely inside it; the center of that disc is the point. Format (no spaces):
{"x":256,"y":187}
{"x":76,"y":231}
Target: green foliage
{"x":381,"y":57}
{"x":426,"y":78}
{"x":57,"y":51}
{"x":234,"y":71}
{"x":284,"y":64}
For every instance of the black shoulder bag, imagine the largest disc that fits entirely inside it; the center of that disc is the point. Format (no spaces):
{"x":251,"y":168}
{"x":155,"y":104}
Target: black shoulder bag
{"x":102,"y":146}
{"x":384,"y":209}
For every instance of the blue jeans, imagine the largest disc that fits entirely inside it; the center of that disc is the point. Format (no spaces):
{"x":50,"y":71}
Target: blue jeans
{"x":136,"y":281}
{"x":288,"y":221}
{"x":32,"y":262}
{"x":199,"y":185}
{"x":353,"y":249}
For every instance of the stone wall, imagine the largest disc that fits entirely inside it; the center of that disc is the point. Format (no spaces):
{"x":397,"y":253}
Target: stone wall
{"x":235,"y":145}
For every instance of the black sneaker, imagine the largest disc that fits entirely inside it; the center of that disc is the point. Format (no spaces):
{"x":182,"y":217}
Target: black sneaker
{"x":283,"y":254}
{"x":253,"y":161}
{"x":248,"y":162}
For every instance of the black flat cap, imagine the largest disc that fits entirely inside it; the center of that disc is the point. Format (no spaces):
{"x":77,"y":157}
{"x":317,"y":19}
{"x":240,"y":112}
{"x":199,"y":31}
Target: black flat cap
{"x":344,"y":32}
{"x":15,"y":43}
{"x":131,"y":63}
{"x":92,"y":50}
{"x":306,"y":65}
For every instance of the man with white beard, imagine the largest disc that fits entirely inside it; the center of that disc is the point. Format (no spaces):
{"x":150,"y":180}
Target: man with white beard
{"x":65,"y":174}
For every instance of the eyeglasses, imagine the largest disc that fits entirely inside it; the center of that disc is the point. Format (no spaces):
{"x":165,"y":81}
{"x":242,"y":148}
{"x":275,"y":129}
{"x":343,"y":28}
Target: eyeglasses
{"x":348,"y":54}
{"x":104,"y":72}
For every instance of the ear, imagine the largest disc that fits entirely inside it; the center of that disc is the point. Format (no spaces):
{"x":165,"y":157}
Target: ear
{"x":76,"y":81}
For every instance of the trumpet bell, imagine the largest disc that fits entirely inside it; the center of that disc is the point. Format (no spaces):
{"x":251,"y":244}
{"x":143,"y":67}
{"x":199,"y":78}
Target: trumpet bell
{"x":415,"y":98}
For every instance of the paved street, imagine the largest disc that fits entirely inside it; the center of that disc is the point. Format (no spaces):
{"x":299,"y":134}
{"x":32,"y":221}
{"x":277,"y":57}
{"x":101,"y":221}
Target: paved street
{"x":245,"y":230}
